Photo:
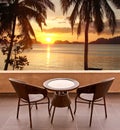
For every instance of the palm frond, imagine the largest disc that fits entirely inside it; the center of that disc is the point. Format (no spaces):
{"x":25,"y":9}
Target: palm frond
{"x":116,"y":3}
{"x":66,"y":4}
{"x":79,"y":28}
{"x":40,"y":19}
{"x":49,"y":4}
{"x":6,"y":17}
{"x":110,"y":16}
{"x":36,"y":9}
{"x":41,"y":8}
{"x":26,"y":12}
{"x":27,"y":41}
{"x":98,"y":16}
{"x":82,"y":12}
{"x":40,"y":4}
{"x":36,"y":6}
{"x":74,"y":14}
{"x":26,"y":27}
{"x":85,"y":12}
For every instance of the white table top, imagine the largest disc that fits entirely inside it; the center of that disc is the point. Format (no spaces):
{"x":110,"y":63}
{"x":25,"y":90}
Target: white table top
{"x":61,"y":84}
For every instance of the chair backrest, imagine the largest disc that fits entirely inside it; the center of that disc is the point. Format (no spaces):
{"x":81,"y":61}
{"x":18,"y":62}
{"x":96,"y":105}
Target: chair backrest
{"x":101,"y":88}
{"x":20,"y":87}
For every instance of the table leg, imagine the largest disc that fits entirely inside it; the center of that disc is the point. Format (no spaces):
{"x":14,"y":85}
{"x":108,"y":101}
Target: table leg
{"x":61,"y":99}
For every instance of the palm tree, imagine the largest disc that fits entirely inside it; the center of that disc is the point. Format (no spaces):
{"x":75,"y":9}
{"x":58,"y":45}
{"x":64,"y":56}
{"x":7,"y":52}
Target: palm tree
{"x":87,"y":12}
{"x":116,"y":3}
{"x":20,"y":12}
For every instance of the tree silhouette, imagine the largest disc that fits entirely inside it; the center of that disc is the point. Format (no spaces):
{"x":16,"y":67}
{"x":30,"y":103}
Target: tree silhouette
{"x":17,"y":61}
{"x":18,"y":13}
{"x":88,"y":12}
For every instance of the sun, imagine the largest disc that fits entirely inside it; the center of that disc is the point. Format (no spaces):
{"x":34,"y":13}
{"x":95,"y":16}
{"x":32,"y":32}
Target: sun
{"x":48,"y":40}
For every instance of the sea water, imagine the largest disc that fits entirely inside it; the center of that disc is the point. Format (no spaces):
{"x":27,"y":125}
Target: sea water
{"x":70,"y":57}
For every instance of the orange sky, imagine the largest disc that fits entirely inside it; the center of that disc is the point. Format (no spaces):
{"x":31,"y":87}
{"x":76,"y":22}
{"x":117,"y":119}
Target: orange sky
{"x":58,"y":28}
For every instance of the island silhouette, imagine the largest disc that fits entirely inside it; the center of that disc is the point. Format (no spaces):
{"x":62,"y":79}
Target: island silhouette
{"x":114,"y":40}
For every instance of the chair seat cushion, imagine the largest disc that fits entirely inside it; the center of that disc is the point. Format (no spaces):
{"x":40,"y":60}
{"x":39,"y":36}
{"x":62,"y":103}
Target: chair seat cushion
{"x":35,"y":97}
{"x":87,"y":96}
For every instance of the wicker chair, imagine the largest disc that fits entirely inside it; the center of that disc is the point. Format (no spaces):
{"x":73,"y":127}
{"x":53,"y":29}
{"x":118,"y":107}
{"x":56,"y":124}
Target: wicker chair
{"x":29,"y":95}
{"x":92,"y":94}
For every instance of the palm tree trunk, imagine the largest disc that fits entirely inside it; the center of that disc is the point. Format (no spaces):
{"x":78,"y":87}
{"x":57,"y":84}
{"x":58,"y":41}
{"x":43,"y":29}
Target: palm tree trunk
{"x":11,"y":45}
{"x":86,"y":45}
{"x":12,"y":39}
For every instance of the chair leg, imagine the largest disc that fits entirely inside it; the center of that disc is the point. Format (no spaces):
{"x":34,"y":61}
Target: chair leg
{"x":53,"y":115}
{"x":71,"y":112}
{"x":18,"y":108}
{"x":30,"y":115}
{"x":50,"y":108}
{"x":105,"y":107}
{"x":75,"y":104}
{"x":91,"y":113}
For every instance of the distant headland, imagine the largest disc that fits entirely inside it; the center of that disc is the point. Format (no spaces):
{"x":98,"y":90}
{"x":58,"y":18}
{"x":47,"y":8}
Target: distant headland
{"x":114,"y":40}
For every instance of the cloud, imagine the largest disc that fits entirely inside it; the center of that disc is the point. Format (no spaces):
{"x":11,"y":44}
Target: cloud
{"x":58,"y":30}
{"x":106,"y":30}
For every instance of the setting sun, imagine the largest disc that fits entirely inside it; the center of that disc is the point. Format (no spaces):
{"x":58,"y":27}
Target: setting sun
{"x":48,"y":39}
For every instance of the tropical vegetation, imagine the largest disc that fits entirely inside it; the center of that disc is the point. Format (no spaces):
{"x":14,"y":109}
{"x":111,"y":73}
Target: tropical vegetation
{"x":87,"y":12}
{"x":17,"y":14}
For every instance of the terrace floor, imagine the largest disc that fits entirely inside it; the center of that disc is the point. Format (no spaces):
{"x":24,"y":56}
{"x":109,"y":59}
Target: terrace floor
{"x":62,"y":118}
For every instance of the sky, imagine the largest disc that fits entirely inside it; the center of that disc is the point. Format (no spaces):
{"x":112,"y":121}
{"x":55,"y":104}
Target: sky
{"x":58,"y":27}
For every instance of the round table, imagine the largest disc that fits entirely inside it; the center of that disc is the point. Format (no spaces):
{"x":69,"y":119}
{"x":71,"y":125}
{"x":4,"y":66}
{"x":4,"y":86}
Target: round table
{"x":61,"y":86}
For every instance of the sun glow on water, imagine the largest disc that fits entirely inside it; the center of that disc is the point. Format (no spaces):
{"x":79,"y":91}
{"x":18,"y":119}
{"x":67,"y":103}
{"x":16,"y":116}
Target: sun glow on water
{"x":48,"y":55}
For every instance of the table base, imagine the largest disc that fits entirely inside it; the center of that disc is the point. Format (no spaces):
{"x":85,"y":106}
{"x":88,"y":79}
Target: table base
{"x":61,"y":100}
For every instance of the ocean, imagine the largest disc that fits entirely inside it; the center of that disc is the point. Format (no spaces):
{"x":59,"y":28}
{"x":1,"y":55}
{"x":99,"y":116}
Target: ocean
{"x":70,"y":57}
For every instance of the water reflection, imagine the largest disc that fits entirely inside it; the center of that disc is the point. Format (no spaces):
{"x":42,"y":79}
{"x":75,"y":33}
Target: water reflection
{"x":70,"y":57}
{"x":48,"y":55}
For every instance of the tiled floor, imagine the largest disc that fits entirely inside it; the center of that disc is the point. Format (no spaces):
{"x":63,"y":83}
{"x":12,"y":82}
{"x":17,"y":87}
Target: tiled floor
{"x":62,"y":119}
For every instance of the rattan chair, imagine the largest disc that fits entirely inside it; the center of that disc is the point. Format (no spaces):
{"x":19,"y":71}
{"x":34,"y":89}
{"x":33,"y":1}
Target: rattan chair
{"x":29,"y":95}
{"x":92,"y":94}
